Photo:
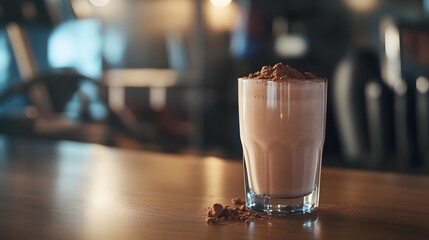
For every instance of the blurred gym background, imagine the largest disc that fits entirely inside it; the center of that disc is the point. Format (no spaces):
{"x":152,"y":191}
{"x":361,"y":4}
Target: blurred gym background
{"x":162,"y":74}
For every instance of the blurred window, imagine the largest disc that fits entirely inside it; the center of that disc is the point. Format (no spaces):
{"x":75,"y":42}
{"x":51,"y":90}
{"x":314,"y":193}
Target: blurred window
{"x":79,"y":45}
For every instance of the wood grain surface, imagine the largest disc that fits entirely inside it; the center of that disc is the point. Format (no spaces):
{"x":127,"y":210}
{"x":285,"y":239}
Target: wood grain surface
{"x":67,"y":190}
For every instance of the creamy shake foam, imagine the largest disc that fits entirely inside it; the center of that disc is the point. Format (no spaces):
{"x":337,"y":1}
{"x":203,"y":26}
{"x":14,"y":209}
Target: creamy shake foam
{"x":282,"y":122}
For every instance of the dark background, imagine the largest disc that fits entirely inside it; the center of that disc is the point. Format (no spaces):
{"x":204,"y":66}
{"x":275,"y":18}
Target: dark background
{"x":371,"y":121}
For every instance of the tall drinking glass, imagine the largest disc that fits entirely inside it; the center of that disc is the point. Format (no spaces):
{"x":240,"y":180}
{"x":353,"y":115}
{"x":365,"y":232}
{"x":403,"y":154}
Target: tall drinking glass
{"x":282,"y":131}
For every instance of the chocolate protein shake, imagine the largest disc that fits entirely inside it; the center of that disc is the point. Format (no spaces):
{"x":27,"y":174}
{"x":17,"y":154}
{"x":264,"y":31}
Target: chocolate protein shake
{"x":282,"y":130}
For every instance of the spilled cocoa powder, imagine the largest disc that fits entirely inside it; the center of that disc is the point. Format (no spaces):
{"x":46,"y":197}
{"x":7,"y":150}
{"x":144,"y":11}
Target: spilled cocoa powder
{"x":219,"y":214}
{"x":281,"y":71}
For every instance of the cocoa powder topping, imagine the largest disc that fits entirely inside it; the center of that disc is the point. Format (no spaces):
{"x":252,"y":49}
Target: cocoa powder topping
{"x":281,"y":72}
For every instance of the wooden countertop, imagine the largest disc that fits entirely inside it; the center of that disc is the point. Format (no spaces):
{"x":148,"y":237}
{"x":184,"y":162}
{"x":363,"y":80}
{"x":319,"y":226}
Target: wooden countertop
{"x":68,"y":190}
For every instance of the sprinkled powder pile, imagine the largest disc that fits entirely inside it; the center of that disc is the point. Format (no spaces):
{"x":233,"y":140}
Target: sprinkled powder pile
{"x":218,"y":214}
{"x":280,"y":72}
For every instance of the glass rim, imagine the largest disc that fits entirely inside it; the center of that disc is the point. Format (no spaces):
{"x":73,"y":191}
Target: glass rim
{"x":293,"y":80}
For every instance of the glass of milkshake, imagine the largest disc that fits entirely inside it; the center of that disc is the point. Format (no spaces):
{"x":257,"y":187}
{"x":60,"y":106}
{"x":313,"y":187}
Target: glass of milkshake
{"x":282,"y":116}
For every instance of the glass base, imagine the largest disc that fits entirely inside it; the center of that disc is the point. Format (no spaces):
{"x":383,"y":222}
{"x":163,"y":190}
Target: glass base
{"x":279,"y":206}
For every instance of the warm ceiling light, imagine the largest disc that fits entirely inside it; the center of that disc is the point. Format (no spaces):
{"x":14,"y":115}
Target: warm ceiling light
{"x":362,"y":5}
{"x":99,"y":3}
{"x":220,"y":3}
{"x":422,"y":84}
